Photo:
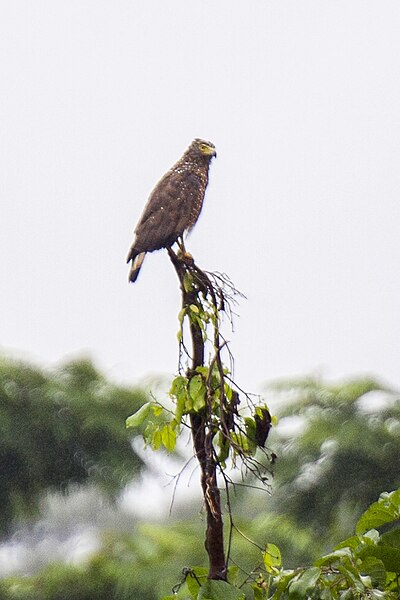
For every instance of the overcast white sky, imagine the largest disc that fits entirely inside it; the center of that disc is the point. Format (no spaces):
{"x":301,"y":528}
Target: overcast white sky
{"x":302,"y":100}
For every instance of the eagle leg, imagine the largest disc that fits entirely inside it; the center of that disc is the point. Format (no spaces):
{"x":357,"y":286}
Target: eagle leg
{"x":181,"y":244}
{"x":182,"y":253}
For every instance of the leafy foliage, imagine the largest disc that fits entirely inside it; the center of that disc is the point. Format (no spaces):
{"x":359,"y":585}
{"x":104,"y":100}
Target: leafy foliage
{"x":140,"y":564}
{"x":206,"y":400}
{"x":341,"y":459}
{"x":363,"y":567}
{"x":58,"y":428}
{"x":206,"y":390}
{"x":386,"y":510}
{"x":146,"y":562}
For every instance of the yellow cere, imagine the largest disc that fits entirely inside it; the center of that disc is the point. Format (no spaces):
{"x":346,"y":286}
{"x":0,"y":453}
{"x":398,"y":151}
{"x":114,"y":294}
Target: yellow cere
{"x":206,"y":149}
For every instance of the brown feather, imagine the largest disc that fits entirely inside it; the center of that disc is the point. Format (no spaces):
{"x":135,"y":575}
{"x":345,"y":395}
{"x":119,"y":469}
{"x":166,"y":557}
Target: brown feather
{"x":174,"y":205}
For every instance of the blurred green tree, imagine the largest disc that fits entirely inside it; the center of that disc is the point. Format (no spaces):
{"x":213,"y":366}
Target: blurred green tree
{"x":343,"y":450}
{"x":61,"y":427}
{"x":342,"y":455}
{"x":366,"y":566}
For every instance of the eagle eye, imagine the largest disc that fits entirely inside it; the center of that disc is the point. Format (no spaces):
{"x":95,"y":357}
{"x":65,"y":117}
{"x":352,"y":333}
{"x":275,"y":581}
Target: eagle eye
{"x":206,"y":149}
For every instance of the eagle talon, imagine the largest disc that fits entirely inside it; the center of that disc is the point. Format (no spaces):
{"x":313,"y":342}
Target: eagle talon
{"x":185,"y":257}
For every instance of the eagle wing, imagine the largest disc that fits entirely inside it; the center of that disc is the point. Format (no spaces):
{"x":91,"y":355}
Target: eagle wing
{"x":169,"y":210}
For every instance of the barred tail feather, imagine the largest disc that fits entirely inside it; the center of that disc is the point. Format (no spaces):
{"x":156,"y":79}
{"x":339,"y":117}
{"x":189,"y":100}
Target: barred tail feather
{"x":137,"y":260}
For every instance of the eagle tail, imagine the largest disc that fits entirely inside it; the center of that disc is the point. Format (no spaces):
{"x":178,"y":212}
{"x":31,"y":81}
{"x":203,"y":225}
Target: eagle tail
{"x":137,"y":259}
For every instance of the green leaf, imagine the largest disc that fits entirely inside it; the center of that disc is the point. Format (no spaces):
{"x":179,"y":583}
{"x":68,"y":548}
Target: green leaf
{"x":389,"y":556}
{"x":282,"y":583}
{"x":197,"y":391}
{"x":187,"y":281}
{"x":188,"y":405}
{"x":192,"y":580}
{"x":261,"y":410}
{"x":352,"y":542}
{"x":325,"y":594}
{"x":233,"y":573}
{"x":240,"y":440}
{"x":178,"y":391}
{"x":251,"y":434}
{"x":258,"y":593}
{"x":371,"y":537}
{"x":351,"y":575}
{"x":385,"y":510}
{"x":155,"y":440}
{"x":334,"y":556}
{"x":157,"y":410}
{"x":374,"y":518}
{"x":178,"y":386}
{"x":139,"y":416}
{"x":181,"y":317}
{"x":180,"y":408}
{"x":391,"y":538}
{"x":378,"y":595}
{"x":250,"y":427}
{"x":203,"y":371}
{"x":373,"y":567}
{"x":168,"y":437}
{"x":299,"y":587}
{"x":224,"y":446}
{"x":219,"y":590}
{"x":228,"y":391}
{"x":194,"y":308}
{"x":272,"y":558}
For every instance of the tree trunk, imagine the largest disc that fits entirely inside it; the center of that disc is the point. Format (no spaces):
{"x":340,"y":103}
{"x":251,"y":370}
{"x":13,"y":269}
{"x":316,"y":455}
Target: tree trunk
{"x":202,"y":440}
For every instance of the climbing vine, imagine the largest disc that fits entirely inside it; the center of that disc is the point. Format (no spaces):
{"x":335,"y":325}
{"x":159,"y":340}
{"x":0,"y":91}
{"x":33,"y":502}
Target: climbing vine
{"x":227,"y":425}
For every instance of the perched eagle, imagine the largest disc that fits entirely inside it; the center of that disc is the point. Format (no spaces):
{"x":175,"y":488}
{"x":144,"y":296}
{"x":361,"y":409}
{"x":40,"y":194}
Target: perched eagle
{"x":174,"y":205}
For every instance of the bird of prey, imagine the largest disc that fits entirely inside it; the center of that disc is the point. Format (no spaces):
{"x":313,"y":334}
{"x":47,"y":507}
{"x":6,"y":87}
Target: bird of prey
{"x":174,"y":205}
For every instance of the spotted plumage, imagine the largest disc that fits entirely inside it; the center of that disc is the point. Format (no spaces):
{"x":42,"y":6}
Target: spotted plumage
{"x":174,"y":205}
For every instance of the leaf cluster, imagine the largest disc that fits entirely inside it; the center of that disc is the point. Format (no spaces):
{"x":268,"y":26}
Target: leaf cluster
{"x":205,"y":394}
{"x":365,"y":566}
{"x":159,"y":430}
{"x":207,"y":390}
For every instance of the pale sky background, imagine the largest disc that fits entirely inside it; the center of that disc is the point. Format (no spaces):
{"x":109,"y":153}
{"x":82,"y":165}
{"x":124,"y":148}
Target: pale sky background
{"x":302,"y":100}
